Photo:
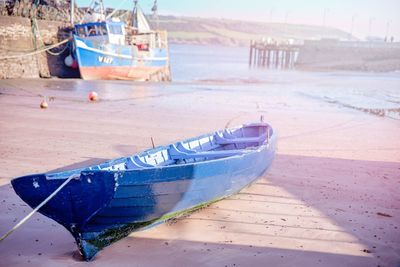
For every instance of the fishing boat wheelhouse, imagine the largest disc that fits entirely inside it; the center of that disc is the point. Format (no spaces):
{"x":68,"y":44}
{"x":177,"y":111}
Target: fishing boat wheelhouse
{"x":109,"y":49}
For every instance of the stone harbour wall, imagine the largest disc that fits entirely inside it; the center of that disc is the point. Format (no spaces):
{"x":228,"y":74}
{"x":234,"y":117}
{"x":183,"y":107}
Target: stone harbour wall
{"x":20,"y":36}
{"x":349,"y":56}
{"x":17,"y":38}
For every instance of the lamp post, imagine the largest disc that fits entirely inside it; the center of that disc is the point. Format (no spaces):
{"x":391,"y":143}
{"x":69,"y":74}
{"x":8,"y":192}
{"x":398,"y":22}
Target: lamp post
{"x":326,"y":11}
{"x":353,"y":18}
{"x":286,"y":17}
{"x":271,"y":11}
{"x":371,"y":20}
{"x":286,"y":21}
{"x":387,"y":29}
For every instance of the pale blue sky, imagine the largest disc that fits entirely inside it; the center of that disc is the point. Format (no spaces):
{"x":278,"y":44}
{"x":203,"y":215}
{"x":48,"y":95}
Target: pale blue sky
{"x":338,"y":13}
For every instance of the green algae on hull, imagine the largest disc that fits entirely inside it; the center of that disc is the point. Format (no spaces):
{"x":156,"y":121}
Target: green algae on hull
{"x":90,"y":247}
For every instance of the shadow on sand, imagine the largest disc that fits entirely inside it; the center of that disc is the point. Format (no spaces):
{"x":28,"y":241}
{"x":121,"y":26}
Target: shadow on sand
{"x":306,"y":211}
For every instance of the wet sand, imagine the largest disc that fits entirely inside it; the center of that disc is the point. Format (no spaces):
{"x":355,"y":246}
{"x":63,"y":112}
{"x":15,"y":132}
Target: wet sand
{"x":331,"y":198}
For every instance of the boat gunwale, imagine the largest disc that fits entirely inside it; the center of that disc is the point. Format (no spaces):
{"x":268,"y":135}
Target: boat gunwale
{"x":77,"y":172}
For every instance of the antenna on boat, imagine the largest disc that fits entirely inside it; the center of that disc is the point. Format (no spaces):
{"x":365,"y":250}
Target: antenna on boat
{"x":152,"y":142}
{"x":135,"y":7}
{"x":96,"y":7}
{"x":154,"y":9}
{"x":101,"y":6}
{"x":139,"y":20}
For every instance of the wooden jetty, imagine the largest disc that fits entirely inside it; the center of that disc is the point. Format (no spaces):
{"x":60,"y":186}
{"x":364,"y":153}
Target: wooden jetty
{"x":273,"y":55}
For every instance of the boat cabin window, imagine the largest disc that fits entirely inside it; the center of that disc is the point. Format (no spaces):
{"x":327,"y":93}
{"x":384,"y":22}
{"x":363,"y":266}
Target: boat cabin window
{"x":115,"y":29}
{"x":102,"y":30}
{"x":91,"y":30}
{"x":81,"y":31}
{"x":116,"y":32}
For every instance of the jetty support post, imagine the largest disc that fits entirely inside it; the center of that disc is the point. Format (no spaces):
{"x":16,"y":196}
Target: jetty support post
{"x":251,"y":53}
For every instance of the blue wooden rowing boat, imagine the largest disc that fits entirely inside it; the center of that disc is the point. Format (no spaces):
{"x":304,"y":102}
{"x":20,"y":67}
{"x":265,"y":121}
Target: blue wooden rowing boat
{"x":104,"y":203}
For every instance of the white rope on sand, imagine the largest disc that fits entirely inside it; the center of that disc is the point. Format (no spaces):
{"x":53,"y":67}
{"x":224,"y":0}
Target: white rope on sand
{"x":37,"y":208}
{"x":36,"y":51}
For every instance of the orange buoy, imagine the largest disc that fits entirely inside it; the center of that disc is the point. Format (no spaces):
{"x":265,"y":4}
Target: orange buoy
{"x":93,"y":96}
{"x":44,"y":104}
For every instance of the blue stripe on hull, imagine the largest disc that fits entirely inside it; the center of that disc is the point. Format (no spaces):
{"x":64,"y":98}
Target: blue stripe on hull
{"x":90,"y":54}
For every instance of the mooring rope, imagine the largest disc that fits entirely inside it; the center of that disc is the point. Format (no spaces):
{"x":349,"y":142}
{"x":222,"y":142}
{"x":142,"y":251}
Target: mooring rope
{"x":59,"y":52}
{"x":36,"y":51}
{"x":37,"y":208}
{"x":38,"y":35}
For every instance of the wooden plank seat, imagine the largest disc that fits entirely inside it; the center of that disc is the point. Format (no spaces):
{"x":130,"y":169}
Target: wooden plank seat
{"x":181,"y":153}
{"x":135,"y":163}
{"x":238,"y":140}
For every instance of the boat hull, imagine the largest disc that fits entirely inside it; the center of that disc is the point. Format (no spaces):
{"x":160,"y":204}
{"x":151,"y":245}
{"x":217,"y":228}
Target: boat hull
{"x":135,"y":73}
{"x":123,"y":201}
{"x":135,"y":206}
{"x":104,"y":61}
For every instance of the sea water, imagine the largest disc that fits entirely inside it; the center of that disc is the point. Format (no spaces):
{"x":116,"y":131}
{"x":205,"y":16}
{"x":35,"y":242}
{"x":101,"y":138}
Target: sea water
{"x":197,"y":67}
{"x":374,"y":93}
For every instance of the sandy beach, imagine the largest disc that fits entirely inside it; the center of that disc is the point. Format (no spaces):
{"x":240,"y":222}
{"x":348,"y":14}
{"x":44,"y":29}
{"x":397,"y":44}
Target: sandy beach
{"x":331,"y":198}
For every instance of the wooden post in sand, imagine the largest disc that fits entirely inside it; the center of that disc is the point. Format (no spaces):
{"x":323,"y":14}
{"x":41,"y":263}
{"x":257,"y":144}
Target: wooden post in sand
{"x":264,"y":56}
{"x":277,"y":58}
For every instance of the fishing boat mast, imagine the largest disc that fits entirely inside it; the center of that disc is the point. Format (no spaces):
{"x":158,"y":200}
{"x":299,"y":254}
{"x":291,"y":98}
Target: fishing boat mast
{"x":72,"y":12}
{"x":139,"y":20}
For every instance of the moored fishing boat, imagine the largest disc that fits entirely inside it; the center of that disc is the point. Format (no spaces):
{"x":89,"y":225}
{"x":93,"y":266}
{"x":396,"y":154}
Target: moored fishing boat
{"x":107,"y":49}
{"x":101,"y":204}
